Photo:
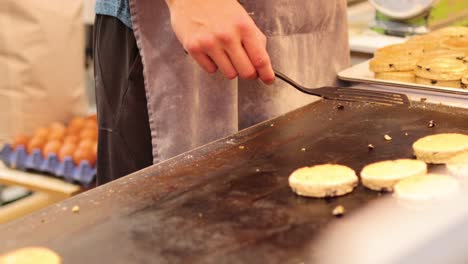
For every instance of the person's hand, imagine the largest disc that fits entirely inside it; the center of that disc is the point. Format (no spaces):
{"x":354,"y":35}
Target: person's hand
{"x":219,"y":34}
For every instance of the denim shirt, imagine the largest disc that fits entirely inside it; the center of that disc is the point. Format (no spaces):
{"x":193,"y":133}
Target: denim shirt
{"x":116,"y":8}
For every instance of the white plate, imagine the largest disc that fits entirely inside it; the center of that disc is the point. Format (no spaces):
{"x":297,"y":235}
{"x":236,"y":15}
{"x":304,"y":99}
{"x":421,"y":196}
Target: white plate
{"x":361,"y":73}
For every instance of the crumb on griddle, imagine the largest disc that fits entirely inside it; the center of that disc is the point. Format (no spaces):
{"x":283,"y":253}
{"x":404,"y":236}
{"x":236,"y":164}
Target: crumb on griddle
{"x":340,"y":107}
{"x":339,"y":211}
{"x":76,"y":209}
{"x":303,"y":149}
{"x":387,"y":137}
{"x":241,"y":147}
{"x":370,"y":146}
{"x":406,"y":133}
{"x":257,"y":170}
{"x":431,"y":123}
{"x":272,"y":125}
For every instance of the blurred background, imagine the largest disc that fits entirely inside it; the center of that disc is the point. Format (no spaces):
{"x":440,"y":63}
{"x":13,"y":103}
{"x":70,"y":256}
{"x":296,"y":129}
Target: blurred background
{"x":46,"y":81}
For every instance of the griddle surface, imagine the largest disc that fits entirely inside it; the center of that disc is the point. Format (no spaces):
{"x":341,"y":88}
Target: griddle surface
{"x":226,"y":204}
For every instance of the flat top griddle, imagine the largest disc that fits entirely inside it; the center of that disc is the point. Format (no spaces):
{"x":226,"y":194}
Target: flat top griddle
{"x":223,"y":203}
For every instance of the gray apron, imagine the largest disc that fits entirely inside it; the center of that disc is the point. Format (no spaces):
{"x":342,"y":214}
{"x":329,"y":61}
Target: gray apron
{"x":188,"y":107}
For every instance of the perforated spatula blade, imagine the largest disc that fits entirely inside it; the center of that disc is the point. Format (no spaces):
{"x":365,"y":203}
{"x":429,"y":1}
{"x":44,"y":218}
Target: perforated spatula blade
{"x":349,"y":94}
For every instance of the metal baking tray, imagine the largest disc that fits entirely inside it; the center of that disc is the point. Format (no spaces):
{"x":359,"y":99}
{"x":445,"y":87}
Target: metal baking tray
{"x":361,"y":73}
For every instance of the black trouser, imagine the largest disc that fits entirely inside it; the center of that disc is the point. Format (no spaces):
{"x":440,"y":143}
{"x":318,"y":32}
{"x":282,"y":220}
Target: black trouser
{"x":124,"y":144}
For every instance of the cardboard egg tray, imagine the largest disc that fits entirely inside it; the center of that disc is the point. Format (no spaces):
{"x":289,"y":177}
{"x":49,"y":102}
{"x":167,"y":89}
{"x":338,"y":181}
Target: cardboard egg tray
{"x":19,"y":159}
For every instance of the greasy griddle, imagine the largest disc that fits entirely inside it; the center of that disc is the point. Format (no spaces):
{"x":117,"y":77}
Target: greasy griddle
{"x":229,"y":201}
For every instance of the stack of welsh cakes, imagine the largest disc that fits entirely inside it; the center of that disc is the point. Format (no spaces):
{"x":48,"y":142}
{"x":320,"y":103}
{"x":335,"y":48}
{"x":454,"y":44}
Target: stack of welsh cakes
{"x":439,"y":58}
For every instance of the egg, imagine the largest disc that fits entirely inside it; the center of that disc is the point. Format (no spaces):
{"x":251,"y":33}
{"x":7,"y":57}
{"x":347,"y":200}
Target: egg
{"x":75,"y":126}
{"x":57,"y":126}
{"x":73,"y":131}
{"x":66,"y":150}
{"x":42,"y":132}
{"x":82,"y":154}
{"x":90,"y":124}
{"x":95,"y":149}
{"x":77,"y":122}
{"x":19,"y":140}
{"x":86,"y":143}
{"x":71,"y":139}
{"x":52,"y":147}
{"x":36,"y":143}
{"x":92,"y":117}
{"x":57,"y":134}
{"x":89,"y":134}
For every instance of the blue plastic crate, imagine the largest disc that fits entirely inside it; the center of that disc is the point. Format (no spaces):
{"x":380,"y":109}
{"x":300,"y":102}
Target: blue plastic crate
{"x":19,"y":159}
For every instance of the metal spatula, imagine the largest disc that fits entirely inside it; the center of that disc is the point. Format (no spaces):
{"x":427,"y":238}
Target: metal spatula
{"x":349,"y":94}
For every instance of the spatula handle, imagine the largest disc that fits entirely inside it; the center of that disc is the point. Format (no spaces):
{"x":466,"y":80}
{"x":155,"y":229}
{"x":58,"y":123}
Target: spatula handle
{"x":285,"y":78}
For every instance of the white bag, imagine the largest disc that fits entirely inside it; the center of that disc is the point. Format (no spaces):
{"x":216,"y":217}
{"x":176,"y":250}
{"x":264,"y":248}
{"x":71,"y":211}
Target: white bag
{"x":41,"y":64}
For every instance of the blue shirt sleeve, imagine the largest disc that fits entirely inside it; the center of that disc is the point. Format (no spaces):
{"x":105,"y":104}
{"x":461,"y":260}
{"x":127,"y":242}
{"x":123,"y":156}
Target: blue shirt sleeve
{"x":116,"y":8}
